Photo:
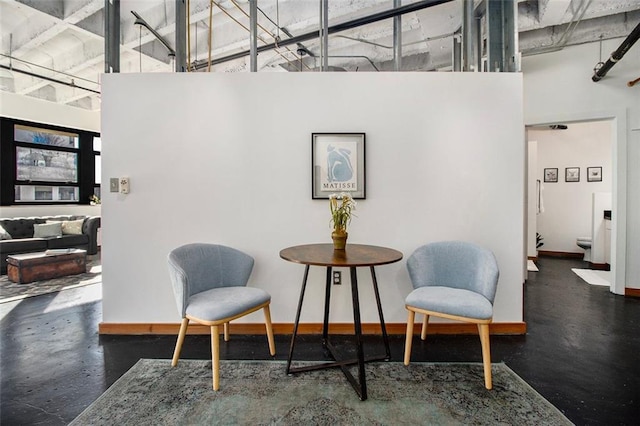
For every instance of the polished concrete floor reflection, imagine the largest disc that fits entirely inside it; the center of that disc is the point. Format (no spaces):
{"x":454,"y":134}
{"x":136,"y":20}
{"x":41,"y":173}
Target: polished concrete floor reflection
{"x":580,"y":352}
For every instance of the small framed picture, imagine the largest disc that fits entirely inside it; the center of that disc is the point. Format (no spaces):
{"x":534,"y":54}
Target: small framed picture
{"x":338,"y":164}
{"x":551,"y":175}
{"x":572,"y":174}
{"x":594,"y":174}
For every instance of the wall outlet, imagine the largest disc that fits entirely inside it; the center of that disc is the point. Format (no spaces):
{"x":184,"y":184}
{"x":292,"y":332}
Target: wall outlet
{"x":337,"y":277}
{"x":124,"y":185}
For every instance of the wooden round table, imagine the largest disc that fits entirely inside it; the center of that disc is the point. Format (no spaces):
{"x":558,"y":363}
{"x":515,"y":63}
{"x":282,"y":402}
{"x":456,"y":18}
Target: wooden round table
{"x":354,"y":256}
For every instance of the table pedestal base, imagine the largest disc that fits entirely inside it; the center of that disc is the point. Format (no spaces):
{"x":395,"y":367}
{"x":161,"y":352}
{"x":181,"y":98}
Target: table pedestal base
{"x":360,"y":384}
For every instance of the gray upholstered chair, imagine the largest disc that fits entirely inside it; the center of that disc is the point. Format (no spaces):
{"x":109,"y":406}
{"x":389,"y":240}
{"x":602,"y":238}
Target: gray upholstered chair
{"x":453,"y":280}
{"x":210,"y":285}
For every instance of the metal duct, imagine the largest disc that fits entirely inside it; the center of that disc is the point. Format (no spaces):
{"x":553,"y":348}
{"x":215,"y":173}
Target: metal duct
{"x":599,"y":73}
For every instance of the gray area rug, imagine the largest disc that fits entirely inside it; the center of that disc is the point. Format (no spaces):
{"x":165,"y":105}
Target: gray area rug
{"x":10,"y":291}
{"x":260,"y":393}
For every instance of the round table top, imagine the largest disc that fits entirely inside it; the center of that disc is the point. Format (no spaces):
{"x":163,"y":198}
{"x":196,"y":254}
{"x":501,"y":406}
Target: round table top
{"x":353,"y":255}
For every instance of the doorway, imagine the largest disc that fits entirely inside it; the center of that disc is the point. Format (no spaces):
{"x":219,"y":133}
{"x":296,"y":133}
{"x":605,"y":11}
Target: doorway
{"x":570,"y":185}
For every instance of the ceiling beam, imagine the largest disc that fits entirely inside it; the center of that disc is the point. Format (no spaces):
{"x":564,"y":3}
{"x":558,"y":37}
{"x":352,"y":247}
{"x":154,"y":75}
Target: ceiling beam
{"x":589,"y":31}
{"x":29,"y":38}
{"x":551,"y":12}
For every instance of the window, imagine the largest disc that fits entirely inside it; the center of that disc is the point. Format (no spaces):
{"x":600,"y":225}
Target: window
{"x":43,"y":164}
{"x":97,"y":149}
{"x":33,"y":164}
{"x":45,"y":136}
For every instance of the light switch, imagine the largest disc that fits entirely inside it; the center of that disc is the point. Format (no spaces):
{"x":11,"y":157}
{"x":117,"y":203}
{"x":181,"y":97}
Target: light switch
{"x":114,"y":185}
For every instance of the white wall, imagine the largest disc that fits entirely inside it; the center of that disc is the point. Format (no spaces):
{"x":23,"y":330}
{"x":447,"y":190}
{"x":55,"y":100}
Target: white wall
{"x":39,"y":111}
{"x":558,"y":88}
{"x":226,"y":158}
{"x":568,"y":205}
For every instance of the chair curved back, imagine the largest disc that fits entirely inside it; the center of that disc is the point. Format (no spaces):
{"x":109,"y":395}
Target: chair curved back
{"x":199,"y":267}
{"x":456,"y":264}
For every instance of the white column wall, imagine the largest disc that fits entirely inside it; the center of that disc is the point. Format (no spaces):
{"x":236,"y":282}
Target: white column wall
{"x":558,"y":88}
{"x":226,"y":158}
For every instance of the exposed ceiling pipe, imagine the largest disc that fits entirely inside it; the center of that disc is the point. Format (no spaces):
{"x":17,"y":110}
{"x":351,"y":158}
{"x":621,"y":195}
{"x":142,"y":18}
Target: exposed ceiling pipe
{"x":278,"y":27}
{"x":564,"y":39}
{"x":424,"y":40}
{"x":600,"y":72}
{"x":53,"y":80}
{"x":303,"y":52}
{"x":582,"y":8}
{"x":197,"y":66}
{"x":380,"y":16}
{"x":73,"y":77}
{"x":140,"y":21}
{"x":357,"y":56}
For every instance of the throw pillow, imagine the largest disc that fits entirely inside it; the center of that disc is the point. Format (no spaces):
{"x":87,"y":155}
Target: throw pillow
{"x":51,"y":229}
{"x":4,"y":235}
{"x":72,"y":227}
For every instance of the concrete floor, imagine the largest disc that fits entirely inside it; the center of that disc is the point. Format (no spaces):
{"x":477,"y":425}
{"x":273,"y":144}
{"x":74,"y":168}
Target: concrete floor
{"x":580,"y":352}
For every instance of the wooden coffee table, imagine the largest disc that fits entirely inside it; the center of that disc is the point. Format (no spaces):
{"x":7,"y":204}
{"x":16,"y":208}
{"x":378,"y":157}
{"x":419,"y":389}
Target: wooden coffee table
{"x":29,"y":267}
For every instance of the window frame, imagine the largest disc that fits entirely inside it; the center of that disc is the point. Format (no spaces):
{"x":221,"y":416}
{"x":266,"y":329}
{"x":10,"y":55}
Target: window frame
{"x":86,"y":182}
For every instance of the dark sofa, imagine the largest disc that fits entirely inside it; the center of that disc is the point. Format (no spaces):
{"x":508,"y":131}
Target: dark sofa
{"x":22,"y":238}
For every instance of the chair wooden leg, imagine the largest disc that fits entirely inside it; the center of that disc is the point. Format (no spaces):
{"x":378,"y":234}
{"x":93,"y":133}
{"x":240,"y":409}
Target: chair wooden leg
{"x":226,"y":331}
{"x":181,"y":334}
{"x":483,"y":329}
{"x":407,"y":346}
{"x":215,"y":356}
{"x":267,"y":321}
{"x":425,"y":322}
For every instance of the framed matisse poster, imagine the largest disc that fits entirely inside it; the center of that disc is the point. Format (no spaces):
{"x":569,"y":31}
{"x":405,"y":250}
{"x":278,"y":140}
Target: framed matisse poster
{"x":338,"y":164}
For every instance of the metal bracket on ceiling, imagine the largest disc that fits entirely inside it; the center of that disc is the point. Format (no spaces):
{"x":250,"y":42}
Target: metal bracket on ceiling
{"x":140,"y":21}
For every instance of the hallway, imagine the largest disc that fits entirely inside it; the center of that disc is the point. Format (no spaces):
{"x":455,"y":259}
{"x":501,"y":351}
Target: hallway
{"x":580,"y":351}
